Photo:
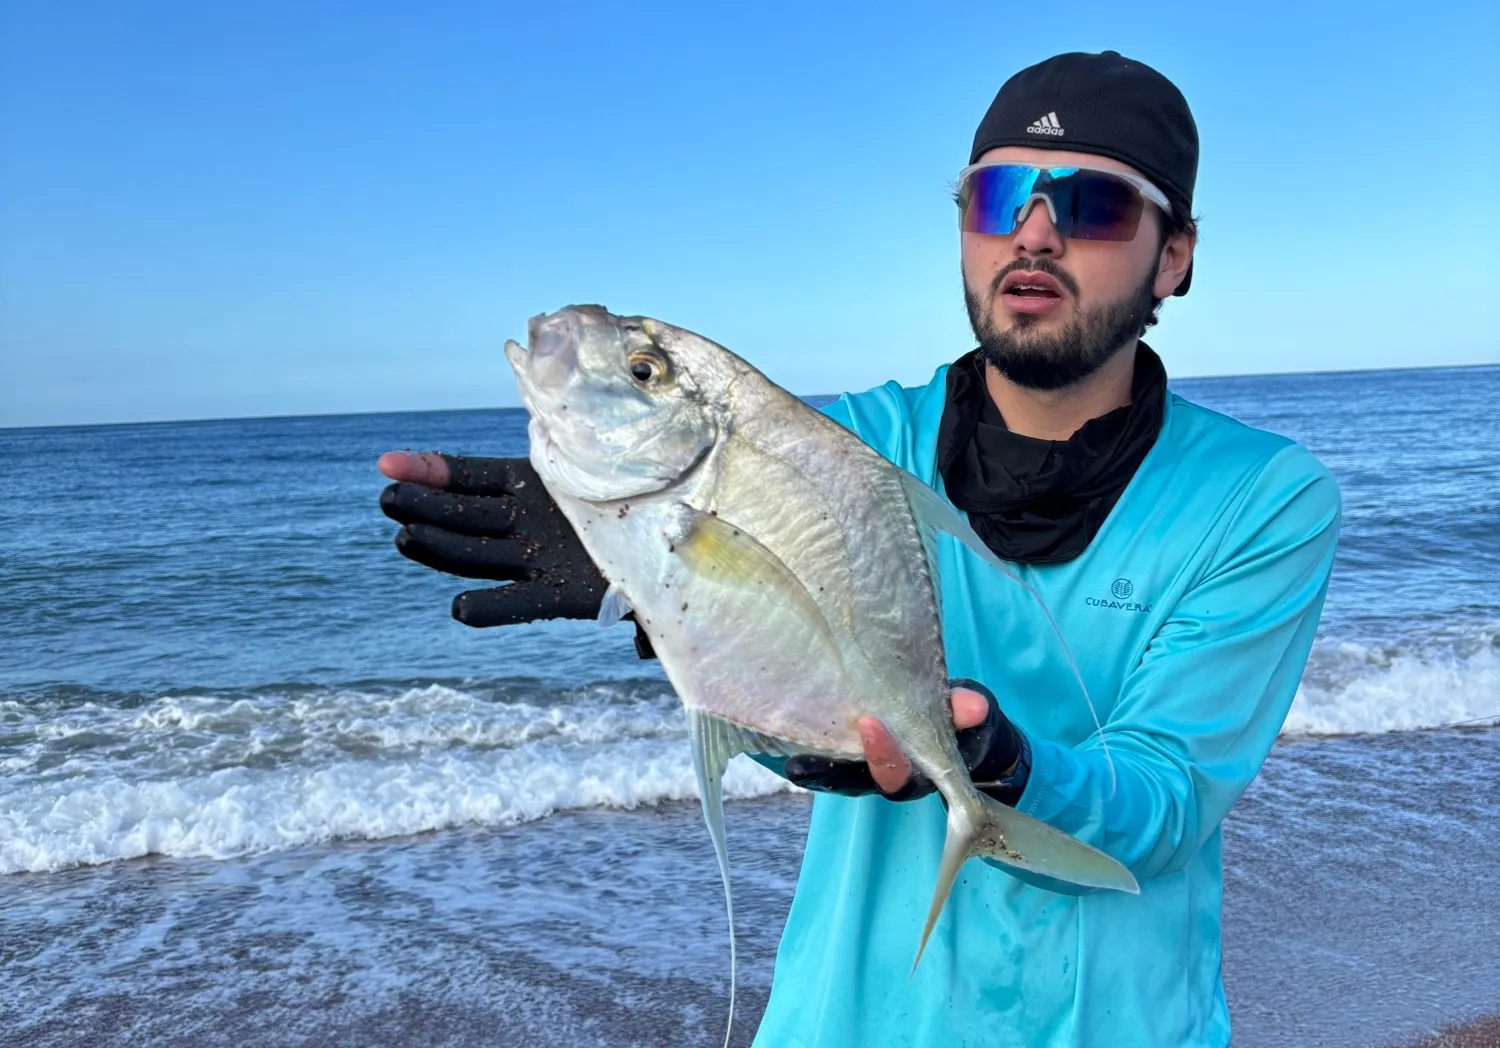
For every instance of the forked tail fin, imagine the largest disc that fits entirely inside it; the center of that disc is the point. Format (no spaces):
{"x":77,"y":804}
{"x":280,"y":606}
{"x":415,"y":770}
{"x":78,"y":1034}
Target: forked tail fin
{"x":991,"y":830}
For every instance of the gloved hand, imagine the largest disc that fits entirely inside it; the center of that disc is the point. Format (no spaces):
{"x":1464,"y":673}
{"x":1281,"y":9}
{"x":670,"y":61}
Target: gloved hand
{"x":993,"y":748}
{"x":491,"y":518}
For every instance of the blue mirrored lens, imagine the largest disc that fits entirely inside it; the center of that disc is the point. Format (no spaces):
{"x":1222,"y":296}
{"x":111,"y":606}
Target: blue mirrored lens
{"x":1087,"y":205}
{"x":1104,"y":208}
{"x":991,"y":198}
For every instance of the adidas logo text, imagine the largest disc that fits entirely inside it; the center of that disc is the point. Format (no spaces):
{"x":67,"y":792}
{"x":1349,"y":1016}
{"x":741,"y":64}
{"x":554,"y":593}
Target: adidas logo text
{"x":1047,"y":125}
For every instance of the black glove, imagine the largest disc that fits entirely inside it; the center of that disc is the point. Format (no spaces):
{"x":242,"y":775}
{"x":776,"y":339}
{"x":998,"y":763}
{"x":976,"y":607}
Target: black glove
{"x":989,"y":749}
{"x":495,"y":520}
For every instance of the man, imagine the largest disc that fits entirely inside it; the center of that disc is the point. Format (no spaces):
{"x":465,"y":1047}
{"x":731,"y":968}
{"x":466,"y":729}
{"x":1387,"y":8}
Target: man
{"x":1184,"y":557}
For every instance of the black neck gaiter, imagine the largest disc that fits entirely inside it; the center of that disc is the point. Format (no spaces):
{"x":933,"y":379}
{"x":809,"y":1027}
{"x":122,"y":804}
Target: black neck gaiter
{"x":1042,"y":501}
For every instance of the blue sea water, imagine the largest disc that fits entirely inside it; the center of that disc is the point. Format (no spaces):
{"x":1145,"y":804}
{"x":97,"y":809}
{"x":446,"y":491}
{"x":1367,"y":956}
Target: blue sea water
{"x":256,"y":787}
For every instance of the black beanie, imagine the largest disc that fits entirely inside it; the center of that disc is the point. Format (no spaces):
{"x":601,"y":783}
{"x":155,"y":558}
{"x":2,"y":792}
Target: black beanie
{"x":1103,"y":104}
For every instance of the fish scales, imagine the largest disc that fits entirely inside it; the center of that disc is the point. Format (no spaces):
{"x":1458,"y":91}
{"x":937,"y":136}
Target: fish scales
{"x":860,"y":559}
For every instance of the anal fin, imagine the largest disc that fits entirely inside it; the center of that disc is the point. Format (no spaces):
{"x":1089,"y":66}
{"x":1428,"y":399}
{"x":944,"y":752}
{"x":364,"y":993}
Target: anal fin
{"x":714,"y":742}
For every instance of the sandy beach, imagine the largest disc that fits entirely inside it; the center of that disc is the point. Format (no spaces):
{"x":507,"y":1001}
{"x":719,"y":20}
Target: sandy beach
{"x":1482,"y":1034}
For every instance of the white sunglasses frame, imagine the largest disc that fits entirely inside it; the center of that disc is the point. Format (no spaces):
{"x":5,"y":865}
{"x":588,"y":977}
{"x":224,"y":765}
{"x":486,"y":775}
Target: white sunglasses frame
{"x":1149,"y":192}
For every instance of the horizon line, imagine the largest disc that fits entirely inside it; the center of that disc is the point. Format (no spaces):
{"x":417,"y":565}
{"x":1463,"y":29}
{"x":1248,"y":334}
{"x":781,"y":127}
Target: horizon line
{"x":800,"y":396}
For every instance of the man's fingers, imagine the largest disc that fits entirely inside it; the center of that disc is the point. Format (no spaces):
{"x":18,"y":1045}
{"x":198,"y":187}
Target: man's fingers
{"x":492,"y":476}
{"x":466,"y":556}
{"x":460,"y":474}
{"x":888,"y":766}
{"x":521,"y":602}
{"x":969,"y":708}
{"x":410,"y":467}
{"x":469,"y":514}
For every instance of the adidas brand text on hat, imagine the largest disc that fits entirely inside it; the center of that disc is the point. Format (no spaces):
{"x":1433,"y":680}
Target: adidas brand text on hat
{"x":1047,"y":125}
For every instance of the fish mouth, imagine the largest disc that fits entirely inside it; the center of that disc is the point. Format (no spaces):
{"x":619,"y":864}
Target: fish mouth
{"x":549,"y":359}
{"x":548,"y":362}
{"x":553,"y":335}
{"x":515,"y":355}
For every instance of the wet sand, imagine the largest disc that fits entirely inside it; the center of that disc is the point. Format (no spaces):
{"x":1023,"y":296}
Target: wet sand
{"x":1482,"y":1034}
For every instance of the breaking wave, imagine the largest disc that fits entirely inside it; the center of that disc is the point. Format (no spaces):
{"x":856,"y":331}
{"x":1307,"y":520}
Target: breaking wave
{"x":221,"y":776}
{"x":1354,"y":689}
{"x":88,"y":777}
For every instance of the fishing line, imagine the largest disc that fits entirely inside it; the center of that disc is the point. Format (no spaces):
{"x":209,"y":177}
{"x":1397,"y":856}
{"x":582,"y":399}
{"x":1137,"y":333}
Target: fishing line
{"x":1492,"y":719}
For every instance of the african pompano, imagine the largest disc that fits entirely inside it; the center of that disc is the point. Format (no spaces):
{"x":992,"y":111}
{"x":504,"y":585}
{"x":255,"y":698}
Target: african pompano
{"x":783,"y":570}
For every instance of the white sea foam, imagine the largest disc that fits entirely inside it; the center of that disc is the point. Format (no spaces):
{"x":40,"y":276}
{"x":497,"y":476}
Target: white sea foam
{"x":1360,"y":689}
{"x":216,"y":776}
{"x":50,"y":825}
{"x":265,"y":774}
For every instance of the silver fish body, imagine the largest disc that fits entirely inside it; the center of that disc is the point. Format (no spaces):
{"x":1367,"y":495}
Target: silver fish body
{"x":782,"y":569}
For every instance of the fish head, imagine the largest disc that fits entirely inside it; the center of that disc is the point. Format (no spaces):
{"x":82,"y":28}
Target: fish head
{"x":620,"y":406}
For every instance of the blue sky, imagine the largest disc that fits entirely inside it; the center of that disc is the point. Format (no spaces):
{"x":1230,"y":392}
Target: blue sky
{"x":283,"y":208}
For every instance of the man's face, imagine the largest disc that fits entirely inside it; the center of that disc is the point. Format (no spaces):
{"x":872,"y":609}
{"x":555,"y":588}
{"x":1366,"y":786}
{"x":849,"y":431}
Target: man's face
{"x":1094,"y":295}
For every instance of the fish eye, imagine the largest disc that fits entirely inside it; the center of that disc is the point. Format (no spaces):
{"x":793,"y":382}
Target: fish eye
{"x":646,"y":368}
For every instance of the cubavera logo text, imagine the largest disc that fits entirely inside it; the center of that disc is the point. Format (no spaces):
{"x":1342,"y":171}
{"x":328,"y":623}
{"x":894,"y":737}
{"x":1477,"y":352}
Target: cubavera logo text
{"x":1121,"y":591}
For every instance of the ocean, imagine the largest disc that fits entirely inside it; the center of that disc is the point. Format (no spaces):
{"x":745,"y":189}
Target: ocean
{"x":257,"y":788}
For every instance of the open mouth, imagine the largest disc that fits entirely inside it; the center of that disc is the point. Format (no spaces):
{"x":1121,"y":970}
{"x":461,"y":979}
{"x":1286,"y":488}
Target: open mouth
{"x":1030,"y":292}
{"x":1031,"y":284}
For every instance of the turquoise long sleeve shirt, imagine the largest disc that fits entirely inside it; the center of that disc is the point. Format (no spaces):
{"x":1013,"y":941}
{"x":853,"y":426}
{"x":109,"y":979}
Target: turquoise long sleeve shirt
{"x":1190,"y":615}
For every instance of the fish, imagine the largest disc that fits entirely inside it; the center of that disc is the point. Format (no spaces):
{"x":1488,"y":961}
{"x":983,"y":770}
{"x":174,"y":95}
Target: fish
{"x":784,"y":572}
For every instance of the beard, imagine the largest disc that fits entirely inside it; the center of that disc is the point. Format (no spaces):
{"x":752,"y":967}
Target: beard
{"x":1034,"y":360}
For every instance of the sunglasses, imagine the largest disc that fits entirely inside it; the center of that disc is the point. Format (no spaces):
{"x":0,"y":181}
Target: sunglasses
{"x":1086,"y":203}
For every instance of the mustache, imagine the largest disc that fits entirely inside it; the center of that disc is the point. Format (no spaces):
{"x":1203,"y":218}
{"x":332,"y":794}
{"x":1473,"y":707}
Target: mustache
{"x":1035,"y":265}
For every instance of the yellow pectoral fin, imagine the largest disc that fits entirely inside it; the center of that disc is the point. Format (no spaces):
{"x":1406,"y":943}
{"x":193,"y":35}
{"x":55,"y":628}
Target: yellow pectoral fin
{"x":715,"y":550}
